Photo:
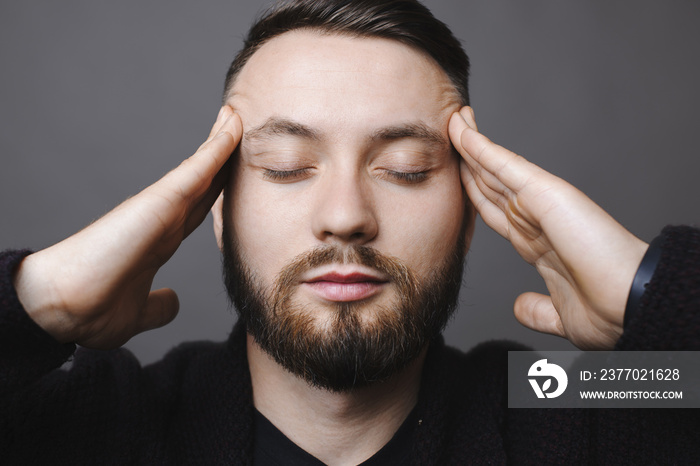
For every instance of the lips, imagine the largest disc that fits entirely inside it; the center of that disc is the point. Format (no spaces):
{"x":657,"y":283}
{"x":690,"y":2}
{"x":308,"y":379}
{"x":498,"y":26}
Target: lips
{"x":339,"y":287}
{"x":334,"y":277}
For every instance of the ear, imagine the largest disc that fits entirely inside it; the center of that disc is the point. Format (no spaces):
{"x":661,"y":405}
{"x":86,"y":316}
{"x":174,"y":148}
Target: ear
{"x":217,"y":213}
{"x":470,"y":218}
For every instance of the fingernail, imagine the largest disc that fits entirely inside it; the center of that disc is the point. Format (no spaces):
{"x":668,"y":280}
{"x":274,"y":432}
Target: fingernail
{"x":465,"y":117}
{"x":462,"y":117}
{"x":466,"y":122}
{"x":467,"y":114}
{"x":221,"y":113}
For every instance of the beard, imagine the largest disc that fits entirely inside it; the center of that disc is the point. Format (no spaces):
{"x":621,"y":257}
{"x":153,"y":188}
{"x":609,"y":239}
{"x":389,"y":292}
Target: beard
{"x":363,"y":342}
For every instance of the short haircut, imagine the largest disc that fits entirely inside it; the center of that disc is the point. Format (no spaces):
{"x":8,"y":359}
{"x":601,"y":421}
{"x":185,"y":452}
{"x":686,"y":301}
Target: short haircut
{"x":405,"y":21}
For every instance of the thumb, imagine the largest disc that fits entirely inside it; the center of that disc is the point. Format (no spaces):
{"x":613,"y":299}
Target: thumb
{"x":161,"y":308}
{"x":536,"y":312}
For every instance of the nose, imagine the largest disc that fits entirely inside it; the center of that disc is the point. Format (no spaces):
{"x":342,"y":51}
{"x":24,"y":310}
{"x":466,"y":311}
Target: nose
{"x":344,"y":211}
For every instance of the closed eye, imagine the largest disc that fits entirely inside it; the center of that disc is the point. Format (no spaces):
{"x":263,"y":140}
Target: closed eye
{"x":408,"y":177}
{"x":286,"y":175}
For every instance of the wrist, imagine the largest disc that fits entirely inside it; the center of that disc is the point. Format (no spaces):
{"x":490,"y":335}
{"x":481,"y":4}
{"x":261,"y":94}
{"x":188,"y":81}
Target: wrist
{"x":34,"y":294}
{"x":643,"y":276}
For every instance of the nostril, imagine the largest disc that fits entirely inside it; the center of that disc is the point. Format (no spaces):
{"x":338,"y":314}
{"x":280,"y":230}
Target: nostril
{"x":355,"y":236}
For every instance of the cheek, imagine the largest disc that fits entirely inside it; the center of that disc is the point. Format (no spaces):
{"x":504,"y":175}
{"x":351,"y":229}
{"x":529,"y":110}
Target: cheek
{"x":266,"y":225}
{"x":424,"y":229}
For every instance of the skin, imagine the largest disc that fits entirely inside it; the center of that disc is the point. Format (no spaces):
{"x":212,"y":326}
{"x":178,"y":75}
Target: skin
{"x":586,"y":258}
{"x":94,"y":287}
{"x":349,"y":194}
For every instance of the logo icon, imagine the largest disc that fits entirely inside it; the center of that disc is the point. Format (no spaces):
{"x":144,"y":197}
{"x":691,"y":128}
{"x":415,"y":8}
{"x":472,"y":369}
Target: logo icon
{"x":546,"y":372}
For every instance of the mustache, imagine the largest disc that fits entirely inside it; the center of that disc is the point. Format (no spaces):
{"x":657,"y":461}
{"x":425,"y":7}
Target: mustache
{"x":399,"y":274}
{"x":343,"y":352}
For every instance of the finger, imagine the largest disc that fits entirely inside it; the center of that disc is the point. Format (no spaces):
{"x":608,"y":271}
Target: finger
{"x":512,"y":170}
{"x":500,"y":211}
{"x":202,"y":208}
{"x":485,"y":177}
{"x":193,"y":177}
{"x":467,"y":113}
{"x":224,"y":113}
{"x":161,"y":308}
{"x":456,"y":126}
{"x":490,"y":212}
{"x":488,"y":179}
{"x":231,"y":126}
{"x":536,"y":311}
{"x":495,"y":197}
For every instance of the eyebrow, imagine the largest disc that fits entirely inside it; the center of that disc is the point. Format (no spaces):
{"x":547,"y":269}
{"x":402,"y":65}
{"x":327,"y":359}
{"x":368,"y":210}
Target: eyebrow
{"x":282,"y":127}
{"x":418,"y":131}
{"x":275,"y":126}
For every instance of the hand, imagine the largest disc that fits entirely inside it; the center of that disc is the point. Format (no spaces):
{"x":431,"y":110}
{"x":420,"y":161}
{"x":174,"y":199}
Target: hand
{"x":587,"y":259}
{"x":94,"y":288}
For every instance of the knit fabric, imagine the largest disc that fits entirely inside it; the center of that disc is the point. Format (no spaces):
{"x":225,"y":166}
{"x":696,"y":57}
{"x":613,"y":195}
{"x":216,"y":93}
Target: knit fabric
{"x":195,"y":405}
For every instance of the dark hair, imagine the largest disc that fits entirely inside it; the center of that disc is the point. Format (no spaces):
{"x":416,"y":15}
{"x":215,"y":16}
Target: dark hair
{"x":406,"y":21}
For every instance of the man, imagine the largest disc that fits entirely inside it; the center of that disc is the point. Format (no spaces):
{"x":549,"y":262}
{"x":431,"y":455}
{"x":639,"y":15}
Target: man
{"x":348,"y":207}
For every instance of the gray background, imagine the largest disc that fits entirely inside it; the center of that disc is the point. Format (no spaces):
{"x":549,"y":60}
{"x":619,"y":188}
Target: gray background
{"x":100,"y":98}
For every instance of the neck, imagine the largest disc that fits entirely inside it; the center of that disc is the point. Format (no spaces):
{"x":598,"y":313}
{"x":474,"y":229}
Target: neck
{"x":337,"y":428}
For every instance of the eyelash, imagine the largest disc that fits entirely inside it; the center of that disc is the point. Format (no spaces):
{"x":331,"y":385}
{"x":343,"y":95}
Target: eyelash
{"x":409,"y":177}
{"x":282,"y":175}
{"x":288,"y":175}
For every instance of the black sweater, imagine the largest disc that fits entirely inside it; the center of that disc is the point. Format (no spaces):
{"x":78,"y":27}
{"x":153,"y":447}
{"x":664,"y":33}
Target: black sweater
{"x":195,"y":405}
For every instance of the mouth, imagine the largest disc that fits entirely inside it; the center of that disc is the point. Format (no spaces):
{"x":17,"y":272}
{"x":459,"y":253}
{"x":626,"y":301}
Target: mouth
{"x":345,"y":287}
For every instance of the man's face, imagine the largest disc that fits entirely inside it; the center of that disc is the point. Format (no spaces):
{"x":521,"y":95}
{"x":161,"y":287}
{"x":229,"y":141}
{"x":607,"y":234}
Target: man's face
{"x":345,"y":209}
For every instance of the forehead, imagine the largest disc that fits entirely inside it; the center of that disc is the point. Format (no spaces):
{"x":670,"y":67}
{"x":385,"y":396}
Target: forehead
{"x":342,"y":81}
